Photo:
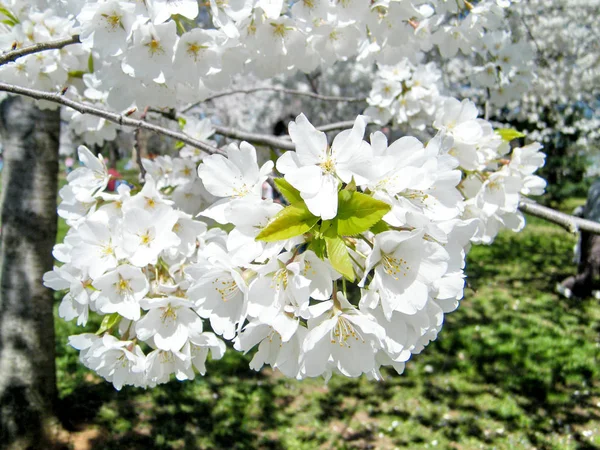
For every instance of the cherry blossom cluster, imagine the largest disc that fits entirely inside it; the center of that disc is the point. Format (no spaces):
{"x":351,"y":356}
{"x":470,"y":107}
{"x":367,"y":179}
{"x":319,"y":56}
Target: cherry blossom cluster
{"x":406,"y":93}
{"x":160,"y":52}
{"x":354,"y":272}
{"x":494,"y":176}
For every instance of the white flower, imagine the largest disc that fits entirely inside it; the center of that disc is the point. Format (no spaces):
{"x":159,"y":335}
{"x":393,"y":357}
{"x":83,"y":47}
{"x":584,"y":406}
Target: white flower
{"x":234,"y":177}
{"x":162,"y":10}
{"x":145,"y":236}
{"x":200,"y":344}
{"x":169,"y":322}
{"x":405,"y":265}
{"x":121,"y":291}
{"x":93,"y":177}
{"x":314,"y":168}
{"x":219,"y":291}
{"x":340,"y":338}
{"x":151,"y":55}
{"x":106,"y":27}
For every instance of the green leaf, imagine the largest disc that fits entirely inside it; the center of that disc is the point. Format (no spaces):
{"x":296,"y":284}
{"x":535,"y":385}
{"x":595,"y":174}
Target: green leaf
{"x":317,"y":245}
{"x":358,"y":212}
{"x":11,"y":17}
{"x":290,"y":222}
{"x":108,"y":322}
{"x":181,"y":121}
{"x":337,"y":252}
{"x":10,"y":23}
{"x":76,"y":73}
{"x":380,"y":227}
{"x":179,"y":145}
{"x":91,"y":64}
{"x":508,"y":134}
{"x":290,"y":193}
{"x":351,"y":186}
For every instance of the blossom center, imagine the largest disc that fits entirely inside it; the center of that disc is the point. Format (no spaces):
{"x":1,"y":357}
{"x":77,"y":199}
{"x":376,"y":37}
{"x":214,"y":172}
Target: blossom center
{"x":123,"y":286}
{"x":279,"y":29}
{"x":154,"y":47}
{"x":281,"y":278}
{"x":394,"y":266}
{"x":227,"y":289}
{"x":168,"y":313}
{"x":113,"y":20}
{"x":193,"y":50}
{"x":344,"y":331}
{"x":328,"y":166}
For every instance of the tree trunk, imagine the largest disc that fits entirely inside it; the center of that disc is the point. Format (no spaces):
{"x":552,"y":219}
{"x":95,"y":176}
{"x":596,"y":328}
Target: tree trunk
{"x":29,"y":185}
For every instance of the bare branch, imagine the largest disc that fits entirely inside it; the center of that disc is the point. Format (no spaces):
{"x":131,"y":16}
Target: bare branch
{"x":117,"y":118}
{"x":329,"y":98}
{"x":36,"y":48}
{"x":346,"y":125}
{"x":255,"y":138}
{"x":570,"y":223}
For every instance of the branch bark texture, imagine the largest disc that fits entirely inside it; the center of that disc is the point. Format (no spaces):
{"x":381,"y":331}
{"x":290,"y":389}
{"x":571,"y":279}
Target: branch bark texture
{"x":120,"y":119}
{"x":570,"y":223}
{"x":13,"y":55}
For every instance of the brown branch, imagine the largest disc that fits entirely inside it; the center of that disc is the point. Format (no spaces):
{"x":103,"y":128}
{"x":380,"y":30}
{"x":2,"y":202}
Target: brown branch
{"x":570,"y":223}
{"x":119,"y":119}
{"x":330,"y":98}
{"x":346,"y":125}
{"x":255,"y":138}
{"x":36,"y":48}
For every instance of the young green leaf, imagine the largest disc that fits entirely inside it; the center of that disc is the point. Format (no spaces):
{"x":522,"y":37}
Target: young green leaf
{"x":108,"y":322}
{"x":351,"y":186}
{"x":290,"y":222}
{"x":337,"y":252}
{"x":91,"y":64}
{"x":380,"y":227}
{"x":317,"y":245}
{"x":358,"y":212}
{"x":508,"y":134}
{"x":290,"y":193}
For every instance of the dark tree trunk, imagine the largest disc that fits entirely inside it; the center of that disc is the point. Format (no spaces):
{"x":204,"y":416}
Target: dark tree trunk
{"x":29,"y":185}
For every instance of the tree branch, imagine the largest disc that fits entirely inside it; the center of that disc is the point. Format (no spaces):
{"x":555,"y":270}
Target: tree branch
{"x":570,"y":223}
{"x":255,"y":138}
{"x":119,"y":119}
{"x":329,"y":98}
{"x":36,"y":48}
{"x":346,"y":125}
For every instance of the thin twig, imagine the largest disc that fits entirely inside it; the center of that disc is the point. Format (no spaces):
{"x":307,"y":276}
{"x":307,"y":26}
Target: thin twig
{"x":36,"y":48}
{"x":119,"y":119}
{"x":570,"y":223}
{"x":346,"y":125}
{"x":255,"y":138}
{"x":330,"y":98}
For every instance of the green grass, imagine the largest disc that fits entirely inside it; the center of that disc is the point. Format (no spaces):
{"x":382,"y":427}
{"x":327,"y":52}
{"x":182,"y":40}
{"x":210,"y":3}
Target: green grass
{"x":515,"y":367}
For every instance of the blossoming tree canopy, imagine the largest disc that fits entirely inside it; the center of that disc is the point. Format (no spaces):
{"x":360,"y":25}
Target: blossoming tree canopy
{"x":356,"y":268}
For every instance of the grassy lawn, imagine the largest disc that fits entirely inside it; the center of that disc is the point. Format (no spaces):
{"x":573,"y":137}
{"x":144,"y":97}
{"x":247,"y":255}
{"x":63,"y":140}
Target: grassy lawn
{"x":515,"y":367}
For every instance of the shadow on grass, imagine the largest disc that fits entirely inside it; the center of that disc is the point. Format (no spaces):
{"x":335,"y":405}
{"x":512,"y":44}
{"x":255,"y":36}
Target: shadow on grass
{"x":230,"y":410}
